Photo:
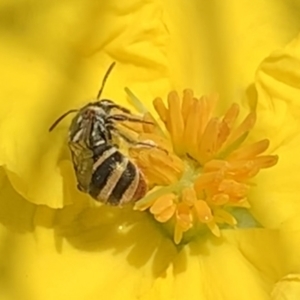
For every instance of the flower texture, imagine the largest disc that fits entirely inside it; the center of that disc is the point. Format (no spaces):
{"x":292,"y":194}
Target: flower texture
{"x":56,"y":243}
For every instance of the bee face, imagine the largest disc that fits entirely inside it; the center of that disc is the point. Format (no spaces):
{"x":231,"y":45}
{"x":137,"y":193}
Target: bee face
{"x":90,"y":120}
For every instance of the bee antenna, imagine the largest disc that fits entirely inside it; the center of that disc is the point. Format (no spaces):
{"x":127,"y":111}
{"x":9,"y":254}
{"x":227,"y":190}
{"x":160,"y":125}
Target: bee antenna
{"x":104,"y":79}
{"x":62,"y":117}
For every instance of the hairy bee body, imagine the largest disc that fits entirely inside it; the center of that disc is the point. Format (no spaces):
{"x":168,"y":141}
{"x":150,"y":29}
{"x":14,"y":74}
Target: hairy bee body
{"x":101,"y":169}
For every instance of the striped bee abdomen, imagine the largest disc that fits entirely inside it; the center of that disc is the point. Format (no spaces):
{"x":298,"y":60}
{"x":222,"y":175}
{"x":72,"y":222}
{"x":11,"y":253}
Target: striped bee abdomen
{"x":130,"y":187}
{"x":116,"y":180}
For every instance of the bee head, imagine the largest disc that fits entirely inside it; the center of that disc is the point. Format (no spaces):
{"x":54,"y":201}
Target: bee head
{"x":88,"y":125}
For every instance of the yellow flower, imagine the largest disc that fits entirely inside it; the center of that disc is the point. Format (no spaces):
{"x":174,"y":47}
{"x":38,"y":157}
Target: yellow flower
{"x":54,"y":243}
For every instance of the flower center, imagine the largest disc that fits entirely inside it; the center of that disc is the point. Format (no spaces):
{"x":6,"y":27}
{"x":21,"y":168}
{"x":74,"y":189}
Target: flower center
{"x":201,"y":165}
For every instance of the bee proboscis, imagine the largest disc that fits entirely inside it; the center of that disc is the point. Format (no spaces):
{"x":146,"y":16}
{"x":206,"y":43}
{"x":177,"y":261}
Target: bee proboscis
{"x":101,"y":169}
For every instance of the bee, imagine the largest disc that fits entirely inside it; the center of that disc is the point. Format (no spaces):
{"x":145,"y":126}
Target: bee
{"x":101,"y":169}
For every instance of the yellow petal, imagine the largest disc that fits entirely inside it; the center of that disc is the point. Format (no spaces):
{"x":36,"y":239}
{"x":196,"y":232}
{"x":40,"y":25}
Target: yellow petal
{"x":15,"y":213}
{"x":267,"y":255}
{"x":266,"y":26}
{"x":103,"y":245}
{"x":162,"y":288}
{"x":287,"y":288}
{"x":208,"y":269}
{"x":289,"y":238}
{"x":278,"y":89}
{"x":215,"y":270}
{"x":276,"y":197}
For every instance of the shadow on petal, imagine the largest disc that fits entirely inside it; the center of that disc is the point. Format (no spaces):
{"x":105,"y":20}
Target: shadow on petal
{"x":115,"y":231}
{"x":15,"y":212}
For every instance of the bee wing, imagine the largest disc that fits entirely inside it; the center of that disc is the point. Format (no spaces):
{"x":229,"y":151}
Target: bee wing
{"x":82,"y":158}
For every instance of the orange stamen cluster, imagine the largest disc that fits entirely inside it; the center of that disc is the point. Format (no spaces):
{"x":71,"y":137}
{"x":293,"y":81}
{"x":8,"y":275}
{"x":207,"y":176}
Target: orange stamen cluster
{"x":202,"y":168}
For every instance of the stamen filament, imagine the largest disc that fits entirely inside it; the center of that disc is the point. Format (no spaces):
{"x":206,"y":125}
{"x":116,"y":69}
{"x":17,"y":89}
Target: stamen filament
{"x":231,"y":115}
{"x":162,"y":203}
{"x":243,"y":128}
{"x":190,"y":137}
{"x":203,"y":169}
{"x":187,"y":102}
{"x":249,"y":151}
{"x":203,"y":211}
{"x":222,"y":216}
{"x":208,"y":142}
{"x":161,"y":109}
{"x":176,"y":124}
{"x":266,"y":161}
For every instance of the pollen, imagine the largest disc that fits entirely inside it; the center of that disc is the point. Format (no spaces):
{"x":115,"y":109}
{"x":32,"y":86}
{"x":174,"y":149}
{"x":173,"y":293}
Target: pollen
{"x":200,"y":166}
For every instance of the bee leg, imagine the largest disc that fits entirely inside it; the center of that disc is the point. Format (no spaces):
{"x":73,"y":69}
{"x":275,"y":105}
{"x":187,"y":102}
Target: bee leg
{"x":145,"y":144}
{"x":130,"y":141}
{"x":136,"y":144}
{"x":129,"y":119}
{"x":108,"y":105}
